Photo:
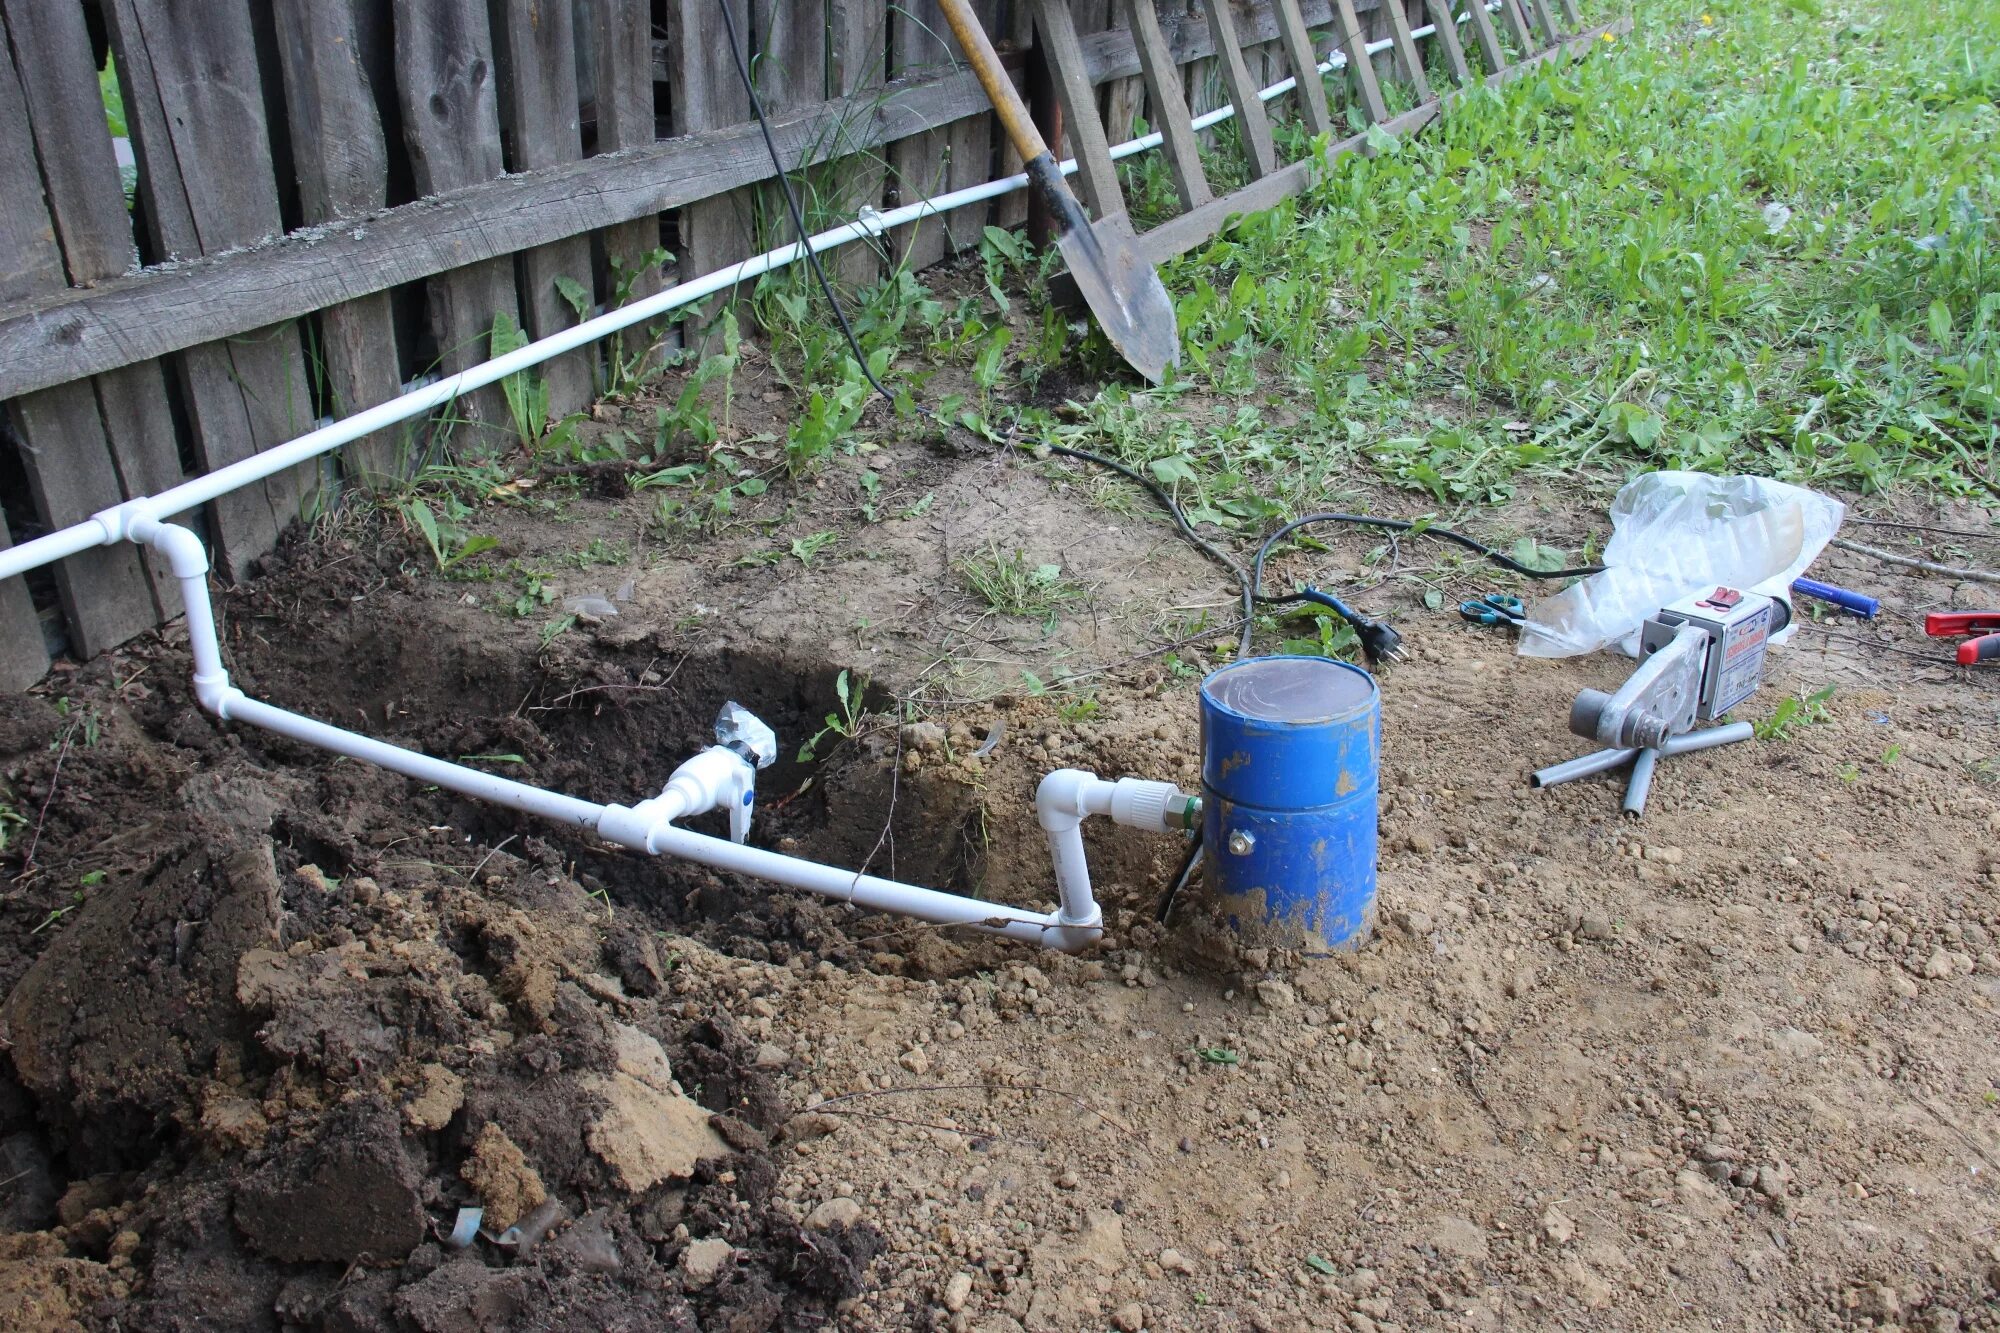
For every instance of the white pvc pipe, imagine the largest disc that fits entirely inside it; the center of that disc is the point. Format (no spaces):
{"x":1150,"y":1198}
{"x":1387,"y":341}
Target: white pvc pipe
{"x":879,"y":895}
{"x":110,"y":526}
{"x":1077,"y":925}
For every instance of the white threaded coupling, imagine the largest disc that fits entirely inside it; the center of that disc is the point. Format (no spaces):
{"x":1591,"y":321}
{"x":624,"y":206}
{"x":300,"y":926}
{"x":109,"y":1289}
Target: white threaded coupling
{"x":1157,"y":807}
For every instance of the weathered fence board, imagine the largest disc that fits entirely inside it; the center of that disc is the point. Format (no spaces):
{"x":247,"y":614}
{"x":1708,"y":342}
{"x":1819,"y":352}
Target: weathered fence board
{"x":1096,"y":179}
{"x":536,"y":45}
{"x":1360,"y":68}
{"x":708,"y":94}
{"x":126,"y":416}
{"x":951,"y":157}
{"x":621,"y":36}
{"x":1310,"y":95}
{"x":342,"y":163}
{"x":1253,"y":127}
{"x":1169,"y":104}
{"x":105,"y":592}
{"x":1491,"y":53}
{"x":195,"y":106}
{"x":86,"y":203}
{"x":857,"y":43}
{"x":1439,"y":12}
{"x":1409,"y":65}
{"x":23,"y":655}
{"x":451,"y":126}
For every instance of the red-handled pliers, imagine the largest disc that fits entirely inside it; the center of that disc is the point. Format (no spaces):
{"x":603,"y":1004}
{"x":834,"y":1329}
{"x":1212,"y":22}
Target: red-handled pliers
{"x":1954,"y":624}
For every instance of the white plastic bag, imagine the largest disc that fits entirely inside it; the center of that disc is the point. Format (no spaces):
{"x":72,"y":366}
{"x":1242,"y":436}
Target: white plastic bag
{"x":1675,"y":533}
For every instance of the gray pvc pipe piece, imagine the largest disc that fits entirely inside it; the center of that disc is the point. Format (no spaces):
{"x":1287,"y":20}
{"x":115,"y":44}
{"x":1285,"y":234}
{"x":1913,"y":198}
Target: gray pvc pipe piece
{"x":1641,"y":784}
{"x":1605,"y":760}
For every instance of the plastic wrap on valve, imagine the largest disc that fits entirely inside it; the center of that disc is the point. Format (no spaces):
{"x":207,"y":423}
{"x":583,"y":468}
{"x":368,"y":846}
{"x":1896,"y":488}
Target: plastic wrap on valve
{"x":1673,"y":534}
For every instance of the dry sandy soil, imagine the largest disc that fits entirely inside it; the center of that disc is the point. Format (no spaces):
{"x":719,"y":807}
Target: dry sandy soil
{"x":272,"y":1020}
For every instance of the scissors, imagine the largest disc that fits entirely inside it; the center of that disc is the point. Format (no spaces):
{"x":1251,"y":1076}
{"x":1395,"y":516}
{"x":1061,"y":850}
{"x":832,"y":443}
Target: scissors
{"x":1495,"y":608}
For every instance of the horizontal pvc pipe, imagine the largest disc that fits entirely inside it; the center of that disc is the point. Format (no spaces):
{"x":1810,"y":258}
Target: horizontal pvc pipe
{"x":1581,"y":767}
{"x":868,"y":891}
{"x":452,"y":777}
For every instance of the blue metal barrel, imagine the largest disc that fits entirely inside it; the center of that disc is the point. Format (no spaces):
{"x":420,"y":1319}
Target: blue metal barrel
{"x":1291,"y":749}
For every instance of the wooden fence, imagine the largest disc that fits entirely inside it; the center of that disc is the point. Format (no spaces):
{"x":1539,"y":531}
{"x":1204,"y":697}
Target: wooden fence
{"x":314,"y":202}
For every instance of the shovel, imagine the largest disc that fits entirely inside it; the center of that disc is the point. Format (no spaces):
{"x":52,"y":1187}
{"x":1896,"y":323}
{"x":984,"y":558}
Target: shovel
{"x":1117,"y":283}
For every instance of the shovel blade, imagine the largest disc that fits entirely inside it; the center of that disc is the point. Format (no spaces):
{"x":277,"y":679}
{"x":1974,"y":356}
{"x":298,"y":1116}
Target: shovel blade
{"x":1124,"y":293}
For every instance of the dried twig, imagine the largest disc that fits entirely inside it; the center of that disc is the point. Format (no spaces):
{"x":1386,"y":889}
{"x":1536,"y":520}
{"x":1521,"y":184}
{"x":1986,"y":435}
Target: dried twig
{"x":1911,"y":562}
{"x":1993,"y":536}
{"x":41,"y":816}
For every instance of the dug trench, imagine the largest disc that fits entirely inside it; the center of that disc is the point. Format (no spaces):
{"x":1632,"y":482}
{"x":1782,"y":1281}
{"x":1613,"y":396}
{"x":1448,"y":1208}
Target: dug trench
{"x":286,"y":1014}
{"x":273,"y":1018}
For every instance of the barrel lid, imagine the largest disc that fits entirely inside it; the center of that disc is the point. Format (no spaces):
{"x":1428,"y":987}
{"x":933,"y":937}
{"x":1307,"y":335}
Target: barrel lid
{"x":1291,"y":690}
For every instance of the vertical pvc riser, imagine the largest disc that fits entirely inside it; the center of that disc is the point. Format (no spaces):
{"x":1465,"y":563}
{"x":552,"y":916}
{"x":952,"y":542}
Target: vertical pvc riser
{"x":1291,"y":756}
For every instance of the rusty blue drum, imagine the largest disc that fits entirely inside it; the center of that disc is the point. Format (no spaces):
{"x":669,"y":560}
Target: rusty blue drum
{"x":1291,"y":756}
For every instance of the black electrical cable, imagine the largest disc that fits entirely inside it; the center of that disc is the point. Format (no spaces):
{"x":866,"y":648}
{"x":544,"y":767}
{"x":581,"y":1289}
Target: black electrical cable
{"x":1500,"y":558}
{"x":1180,"y":879}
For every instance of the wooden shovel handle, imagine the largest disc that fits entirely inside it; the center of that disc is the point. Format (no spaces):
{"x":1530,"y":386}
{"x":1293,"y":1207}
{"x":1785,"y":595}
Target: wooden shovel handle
{"x":985,"y":62}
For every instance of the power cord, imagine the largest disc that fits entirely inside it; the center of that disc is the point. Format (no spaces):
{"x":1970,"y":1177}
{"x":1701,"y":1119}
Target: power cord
{"x":1378,"y":640}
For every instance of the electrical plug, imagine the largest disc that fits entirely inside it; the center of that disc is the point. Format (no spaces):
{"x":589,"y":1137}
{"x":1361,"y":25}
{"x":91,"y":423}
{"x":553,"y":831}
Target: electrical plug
{"x":1379,"y":640}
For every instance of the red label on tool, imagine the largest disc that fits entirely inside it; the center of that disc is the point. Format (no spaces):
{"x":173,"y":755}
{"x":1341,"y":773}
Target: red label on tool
{"x":1722,"y":599}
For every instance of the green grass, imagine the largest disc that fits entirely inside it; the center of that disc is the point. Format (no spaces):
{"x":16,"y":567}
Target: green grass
{"x":1013,"y":585}
{"x":1752,"y":236}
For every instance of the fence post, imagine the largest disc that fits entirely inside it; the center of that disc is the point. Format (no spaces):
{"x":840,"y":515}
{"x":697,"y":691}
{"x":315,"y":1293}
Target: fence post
{"x":451,"y":123}
{"x":342,"y":164}
{"x":87,"y":445}
{"x":536,"y":43}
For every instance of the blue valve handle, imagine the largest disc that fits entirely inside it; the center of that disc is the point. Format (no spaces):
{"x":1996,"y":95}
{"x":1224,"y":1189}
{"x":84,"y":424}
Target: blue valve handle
{"x":1859,"y":603}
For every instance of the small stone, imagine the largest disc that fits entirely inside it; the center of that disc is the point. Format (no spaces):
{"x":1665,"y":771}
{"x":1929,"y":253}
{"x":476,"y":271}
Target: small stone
{"x":501,"y":1175}
{"x":1938,"y":967}
{"x":1594,"y":926}
{"x":1359,"y":1056}
{"x":1068,"y":1180}
{"x":915,"y":1060}
{"x":1414,"y":924}
{"x":926,"y":736}
{"x":704,"y":1260}
{"x":1176,"y":1262}
{"x":1276,"y":995}
{"x":957,"y":1291}
{"x":1800,"y":944}
{"x":1129,"y":1317}
{"x":1423,"y":844}
{"x":1557,"y":1228}
{"x":840,"y":1212}
{"x":1878,"y":1302}
{"x":770,"y":1055}
{"x":435,"y":1099}
{"x":1521,"y":983}
{"x":1903,"y":985}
